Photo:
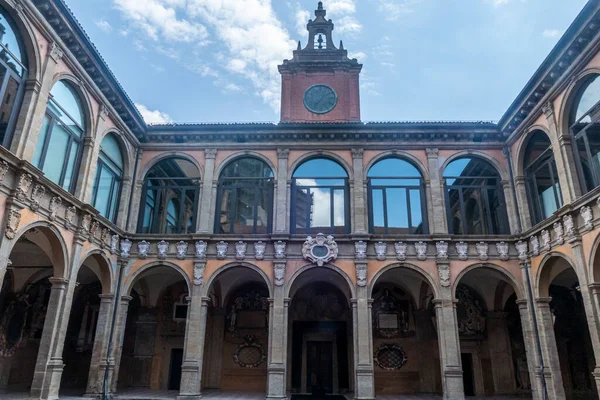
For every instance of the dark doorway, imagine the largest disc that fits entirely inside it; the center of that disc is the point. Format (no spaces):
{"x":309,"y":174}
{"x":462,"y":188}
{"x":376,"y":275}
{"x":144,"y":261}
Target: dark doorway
{"x":175,"y":371}
{"x":319,"y":362}
{"x":468,"y":381}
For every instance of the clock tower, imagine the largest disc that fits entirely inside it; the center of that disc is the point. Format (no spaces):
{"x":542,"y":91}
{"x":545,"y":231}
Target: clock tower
{"x":320,"y":83}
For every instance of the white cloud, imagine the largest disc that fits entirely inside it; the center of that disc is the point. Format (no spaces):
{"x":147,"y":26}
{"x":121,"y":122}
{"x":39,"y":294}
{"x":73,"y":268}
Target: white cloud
{"x":359,"y":55}
{"x":342,"y":12}
{"x":302,"y":17}
{"x":394,"y":9}
{"x":340,"y":7}
{"x":104,"y":26}
{"x":153,"y":117}
{"x":552,"y":33}
{"x":348,"y":24}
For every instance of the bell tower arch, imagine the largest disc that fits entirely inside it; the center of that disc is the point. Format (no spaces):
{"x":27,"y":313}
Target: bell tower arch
{"x":320,"y":83}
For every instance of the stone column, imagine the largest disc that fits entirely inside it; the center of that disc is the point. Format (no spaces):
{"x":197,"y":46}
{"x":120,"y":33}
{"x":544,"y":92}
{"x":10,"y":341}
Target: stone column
{"x":523,"y":203}
{"x":206,"y":212}
{"x":359,"y":195}
{"x":565,"y":159}
{"x":49,"y":364}
{"x":33,"y":108}
{"x":511,"y":207}
{"x":118,"y":338}
{"x":278,"y":330}
{"x":363,"y":336}
{"x":500,"y":353}
{"x":98,"y":361}
{"x":437,"y":218}
{"x":552,"y":373}
{"x":136,"y":205}
{"x":281,"y":214}
{"x":449,"y":344}
{"x":193,"y":350}
{"x":531,"y":351}
{"x":423,"y":328}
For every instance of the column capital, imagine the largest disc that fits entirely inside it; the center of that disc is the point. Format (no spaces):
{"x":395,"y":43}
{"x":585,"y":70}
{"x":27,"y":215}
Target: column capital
{"x":106,"y":298}
{"x":210,"y":154}
{"x":357,"y":153}
{"x":283,"y":154}
{"x":432,"y":152}
{"x":126,"y":299}
{"x":543,"y":301}
{"x":58,"y":283}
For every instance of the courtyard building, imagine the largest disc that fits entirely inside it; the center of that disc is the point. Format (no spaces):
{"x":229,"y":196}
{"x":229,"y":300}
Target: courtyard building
{"x":316,"y":255}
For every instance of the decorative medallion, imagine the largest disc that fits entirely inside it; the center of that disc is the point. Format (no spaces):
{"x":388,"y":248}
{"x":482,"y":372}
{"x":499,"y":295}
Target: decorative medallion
{"x":442,"y":250}
{"x":249,"y":354}
{"x":86,"y":222}
{"x":502,"y":249}
{"x":320,"y":249}
{"x":380,"y":250}
{"x":400,"y":248}
{"x":125,"y":248}
{"x":163,"y":249}
{"x":37,"y":193}
{"x":55,"y":204}
{"x":12,"y":223}
{"x":3,"y":170}
{"x":199,"y":273}
{"x":320,"y":99}
{"x":462,"y":249}
{"x":279,"y":247}
{"x":23,"y":186}
{"x":482,"y":250}
{"x":360,"y":250}
{"x":558,"y":233}
{"x":421,"y":249}
{"x":521,"y":250}
{"x":361,"y":274}
{"x":201,"y":249}
{"x":69,"y":214}
{"x":259,"y":250}
{"x":545,"y":240}
{"x":569,"y":225}
{"x":535,"y":246}
{"x":279,"y":273}
{"x":182,"y":248}
{"x":222,"y":250}
{"x":588,"y":217}
{"x":240,"y":250}
{"x":143,"y":248}
{"x":444,"y":274}
{"x":390,"y":357}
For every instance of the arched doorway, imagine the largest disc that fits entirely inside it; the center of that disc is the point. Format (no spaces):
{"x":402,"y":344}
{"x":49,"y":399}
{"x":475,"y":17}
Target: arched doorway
{"x":320,"y":335}
{"x":36,"y":257}
{"x":493,"y":351}
{"x":152,"y":351}
{"x":559,"y":281}
{"x":93,"y":280}
{"x":237,"y":328}
{"x":405,"y":342}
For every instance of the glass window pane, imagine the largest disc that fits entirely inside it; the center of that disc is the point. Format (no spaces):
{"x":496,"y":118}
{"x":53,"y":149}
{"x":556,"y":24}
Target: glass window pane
{"x":189,"y":211}
{"x":378,"y":211}
{"x":416,"y":213}
{"x":454,"y":212}
{"x":56,"y":153}
{"x":302,"y":206}
{"x":589,"y":97}
{"x":149,"y":206}
{"x":587,"y":165}
{"x":172,"y":215}
{"x":224,"y":218}
{"x":247,"y":167}
{"x":64,"y":95}
{"x":244,"y":210}
{"x":339,"y":208}
{"x":39,"y":147}
{"x":110,"y":147}
{"x":393,"y":167}
{"x":114,"y":206}
{"x":320,"y":168}
{"x":10,"y":41}
{"x":397,"y":211}
{"x":103,"y":191}
{"x":320,"y":215}
{"x":70,"y":171}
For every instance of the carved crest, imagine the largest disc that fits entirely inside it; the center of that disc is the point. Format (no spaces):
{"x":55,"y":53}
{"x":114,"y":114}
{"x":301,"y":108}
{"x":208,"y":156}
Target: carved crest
{"x":23,"y":186}
{"x":360,"y":250}
{"x":361,"y":274}
{"x":163,"y":249}
{"x":69,"y":214}
{"x":104,"y":234}
{"x":381,"y":250}
{"x":279,"y":273}
{"x":249,"y":354}
{"x":588,"y":217}
{"x":3,"y":170}
{"x":444,"y":274}
{"x":93,"y":229}
{"x":114,"y":244}
{"x":259,"y":250}
{"x":558,"y":233}
{"x":462,"y":249}
{"x":521,"y":250}
{"x":279,"y":247}
{"x":482,"y":250}
{"x":502,"y":248}
{"x":200,"y":249}
{"x":12,"y":223}
{"x":535,"y":246}
{"x":545,"y":240}
{"x":182,"y":248}
{"x":400,"y":248}
{"x":199,"y":273}
{"x":55,"y":204}
{"x":442,"y":250}
{"x":86,"y":222}
{"x":222,"y":250}
{"x":125,"y":248}
{"x":143,"y":248}
{"x":569,"y":225}
{"x":470,"y":313}
{"x":421,"y":249}
{"x":320,"y":249}
{"x":36,"y":195}
{"x":240,"y":250}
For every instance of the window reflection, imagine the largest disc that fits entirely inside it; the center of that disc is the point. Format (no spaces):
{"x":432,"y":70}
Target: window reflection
{"x":541,"y":175}
{"x":245,"y":197}
{"x":397,"y":196}
{"x":170,"y":198}
{"x":585,"y":127}
{"x":58,"y":149}
{"x":109,"y":175}
{"x":320,"y":198}
{"x":474,"y":198}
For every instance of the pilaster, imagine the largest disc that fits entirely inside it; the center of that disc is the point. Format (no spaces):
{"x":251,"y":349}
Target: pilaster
{"x":278,"y":330}
{"x":206,"y":213}
{"x":531,"y":352}
{"x":437,"y":216}
{"x":552,"y":373}
{"x":363,"y":339}
{"x":523,"y":203}
{"x":359,"y":204}
{"x":119,"y":336}
{"x":282,"y":217}
{"x":98,"y":361}
{"x":500,"y":353}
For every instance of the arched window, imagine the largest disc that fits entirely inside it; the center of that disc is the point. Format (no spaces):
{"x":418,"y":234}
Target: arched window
{"x":320,"y":201}
{"x":170,"y":198}
{"x":543,"y":188}
{"x":396,"y":198}
{"x":474,"y":198}
{"x":584,"y":121}
{"x":58,"y":150}
{"x":109,"y":175}
{"x":245,"y":197}
{"x":13,"y":72}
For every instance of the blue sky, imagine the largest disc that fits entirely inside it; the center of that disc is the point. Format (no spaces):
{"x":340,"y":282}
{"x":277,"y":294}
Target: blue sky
{"x":215,"y":60}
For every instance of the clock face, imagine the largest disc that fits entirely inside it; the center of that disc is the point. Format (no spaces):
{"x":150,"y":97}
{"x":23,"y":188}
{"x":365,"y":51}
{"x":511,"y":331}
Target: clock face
{"x":320,"y":99}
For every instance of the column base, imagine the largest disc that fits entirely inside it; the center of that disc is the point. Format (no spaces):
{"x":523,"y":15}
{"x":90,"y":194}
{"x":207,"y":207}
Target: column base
{"x":189,"y":397}
{"x":276,"y":398}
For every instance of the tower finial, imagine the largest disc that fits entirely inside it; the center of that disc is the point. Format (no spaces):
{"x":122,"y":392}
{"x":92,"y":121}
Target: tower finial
{"x":320,"y":5}
{"x":320,"y":11}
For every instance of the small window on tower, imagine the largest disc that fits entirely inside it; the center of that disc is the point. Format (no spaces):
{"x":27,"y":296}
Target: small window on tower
{"x":320,"y":42}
